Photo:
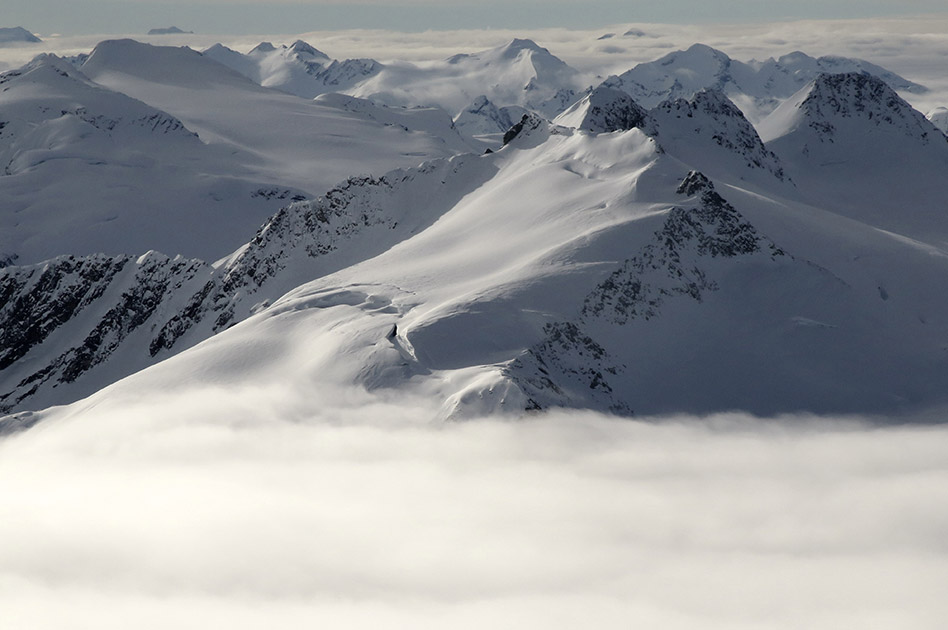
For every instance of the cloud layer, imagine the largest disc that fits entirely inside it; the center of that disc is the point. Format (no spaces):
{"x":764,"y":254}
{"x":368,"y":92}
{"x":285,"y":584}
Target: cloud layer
{"x":239,"y":509}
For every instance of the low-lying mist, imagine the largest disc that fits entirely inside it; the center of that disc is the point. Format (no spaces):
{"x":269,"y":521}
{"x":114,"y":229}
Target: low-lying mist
{"x":248,"y":509}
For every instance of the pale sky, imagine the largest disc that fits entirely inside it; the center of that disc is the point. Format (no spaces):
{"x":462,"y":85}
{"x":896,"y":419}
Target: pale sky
{"x":282,"y":16}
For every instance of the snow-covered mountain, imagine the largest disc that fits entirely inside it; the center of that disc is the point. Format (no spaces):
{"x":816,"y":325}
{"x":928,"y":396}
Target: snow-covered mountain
{"x":17,"y":35}
{"x":757,"y":87}
{"x":711,"y":133}
{"x":594,"y":267}
{"x":293,"y":142}
{"x":854,"y":146}
{"x":168,"y":30}
{"x":519,"y":73}
{"x":84,"y":169}
{"x":296,"y":69}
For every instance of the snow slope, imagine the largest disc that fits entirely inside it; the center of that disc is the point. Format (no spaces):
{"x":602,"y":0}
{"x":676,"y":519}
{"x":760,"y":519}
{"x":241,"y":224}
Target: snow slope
{"x":84,"y":169}
{"x":285,"y":139}
{"x":853,"y":145}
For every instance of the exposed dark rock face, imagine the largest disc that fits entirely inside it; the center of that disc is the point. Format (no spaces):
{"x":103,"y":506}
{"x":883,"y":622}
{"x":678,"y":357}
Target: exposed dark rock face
{"x":94,"y":303}
{"x":856,"y":95}
{"x":571,"y":365}
{"x":605,"y":110}
{"x":711,"y":117}
{"x":529,"y":122}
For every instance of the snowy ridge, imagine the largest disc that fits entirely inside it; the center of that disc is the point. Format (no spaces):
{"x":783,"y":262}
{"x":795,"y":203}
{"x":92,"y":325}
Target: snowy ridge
{"x":180,"y":298}
{"x":30,"y":123}
{"x":287,"y":141}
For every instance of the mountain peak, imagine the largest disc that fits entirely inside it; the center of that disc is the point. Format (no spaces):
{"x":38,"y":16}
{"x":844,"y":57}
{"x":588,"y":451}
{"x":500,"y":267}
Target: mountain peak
{"x":169,"y":30}
{"x":18,"y":34}
{"x":524,"y":44}
{"x":703,"y":49}
{"x":710,"y":131}
{"x":859,"y":95}
{"x":302,"y":48}
{"x":262,"y":47}
{"x":602,"y":111}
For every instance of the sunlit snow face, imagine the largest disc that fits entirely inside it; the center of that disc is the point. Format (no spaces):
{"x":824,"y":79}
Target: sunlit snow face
{"x":243,"y":509}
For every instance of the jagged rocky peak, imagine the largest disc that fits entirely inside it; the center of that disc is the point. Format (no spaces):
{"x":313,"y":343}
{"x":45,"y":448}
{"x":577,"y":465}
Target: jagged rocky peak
{"x":602,"y":111}
{"x":864,"y":97}
{"x":694,"y":182}
{"x":710,"y":132}
{"x":710,"y":102}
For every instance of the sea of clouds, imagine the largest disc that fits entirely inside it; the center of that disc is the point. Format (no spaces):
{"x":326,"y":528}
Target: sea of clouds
{"x":234,"y":508}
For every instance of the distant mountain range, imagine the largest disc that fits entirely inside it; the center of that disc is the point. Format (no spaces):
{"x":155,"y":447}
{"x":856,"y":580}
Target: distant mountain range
{"x":170,"y":30}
